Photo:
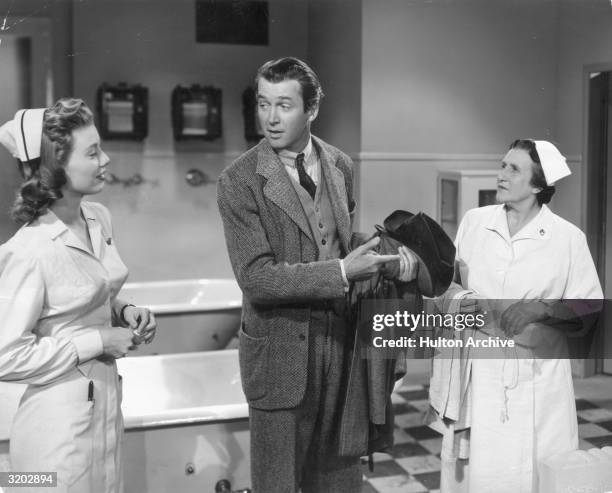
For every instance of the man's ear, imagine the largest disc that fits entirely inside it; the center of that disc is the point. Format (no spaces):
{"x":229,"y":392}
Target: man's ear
{"x":312,"y":113}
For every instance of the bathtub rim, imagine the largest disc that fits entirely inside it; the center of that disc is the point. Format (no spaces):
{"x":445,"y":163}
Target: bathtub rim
{"x":180,"y":308}
{"x":187,"y":415}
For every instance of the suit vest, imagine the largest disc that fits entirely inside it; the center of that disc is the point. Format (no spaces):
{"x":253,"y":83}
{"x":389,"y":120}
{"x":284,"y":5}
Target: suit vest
{"x":321,"y":219}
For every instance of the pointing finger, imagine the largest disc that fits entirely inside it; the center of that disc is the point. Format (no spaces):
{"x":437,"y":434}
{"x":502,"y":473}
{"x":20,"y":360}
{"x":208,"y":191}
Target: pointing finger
{"x":368,"y":245}
{"x":383,"y":259}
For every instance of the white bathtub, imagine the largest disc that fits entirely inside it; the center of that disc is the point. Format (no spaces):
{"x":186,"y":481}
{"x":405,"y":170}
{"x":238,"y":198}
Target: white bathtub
{"x":180,"y":389}
{"x":186,"y":422}
{"x":192,"y":314}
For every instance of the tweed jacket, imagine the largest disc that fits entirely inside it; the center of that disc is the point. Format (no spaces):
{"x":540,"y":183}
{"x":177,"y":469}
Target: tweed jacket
{"x":274,"y":258}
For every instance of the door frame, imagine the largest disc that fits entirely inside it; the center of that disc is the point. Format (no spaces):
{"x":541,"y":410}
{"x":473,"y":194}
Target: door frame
{"x":590,"y":367}
{"x":38,"y":29}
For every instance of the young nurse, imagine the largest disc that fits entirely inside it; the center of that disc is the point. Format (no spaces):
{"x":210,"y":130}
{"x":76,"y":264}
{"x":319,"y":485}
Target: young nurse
{"x":62,"y":325}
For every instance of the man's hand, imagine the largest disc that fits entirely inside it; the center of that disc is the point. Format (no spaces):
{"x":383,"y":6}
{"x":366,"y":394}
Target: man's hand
{"x":409,"y":265}
{"x":362,"y":263}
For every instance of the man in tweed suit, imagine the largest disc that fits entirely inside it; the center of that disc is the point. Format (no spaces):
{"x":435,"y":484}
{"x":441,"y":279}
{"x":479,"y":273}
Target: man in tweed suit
{"x":286,"y":206}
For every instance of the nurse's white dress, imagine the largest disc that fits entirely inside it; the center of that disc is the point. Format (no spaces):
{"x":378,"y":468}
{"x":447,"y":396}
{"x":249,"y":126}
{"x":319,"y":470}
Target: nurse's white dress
{"x":523,"y":409}
{"x":54,"y":295}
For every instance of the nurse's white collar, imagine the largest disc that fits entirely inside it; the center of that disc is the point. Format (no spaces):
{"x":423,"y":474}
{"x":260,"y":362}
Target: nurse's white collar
{"x":53,"y":226}
{"x":539,"y":228}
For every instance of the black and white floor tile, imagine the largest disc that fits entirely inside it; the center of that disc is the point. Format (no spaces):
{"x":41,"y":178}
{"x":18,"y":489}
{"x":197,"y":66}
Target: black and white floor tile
{"x":414,"y":465}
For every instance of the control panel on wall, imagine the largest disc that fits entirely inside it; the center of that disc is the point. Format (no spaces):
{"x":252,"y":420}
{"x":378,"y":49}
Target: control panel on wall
{"x":122,"y":111}
{"x":196,"y":112}
{"x":252,"y":128}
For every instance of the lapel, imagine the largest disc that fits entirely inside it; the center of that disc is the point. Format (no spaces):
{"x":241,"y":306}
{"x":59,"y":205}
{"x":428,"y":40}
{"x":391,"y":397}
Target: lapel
{"x":537,"y":229}
{"x":499,"y":224}
{"x":55,"y":228}
{"x":95,"y":230}
{"x":336,"y":188}
{"x":278,"y":187}
{"x":280,"y":190}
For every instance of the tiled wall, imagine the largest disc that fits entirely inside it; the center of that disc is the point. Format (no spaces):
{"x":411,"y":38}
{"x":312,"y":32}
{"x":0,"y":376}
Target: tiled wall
{"x":165,"y":228}
{"x":172,"y":231}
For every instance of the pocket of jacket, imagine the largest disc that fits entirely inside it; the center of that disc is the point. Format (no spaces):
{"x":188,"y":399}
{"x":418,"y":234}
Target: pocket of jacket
{"x":70,"y":440}
{"x":253,"y":355}
{"x":82,"y":431}
{"x":119,"y":389}
{"x":54,"y":429}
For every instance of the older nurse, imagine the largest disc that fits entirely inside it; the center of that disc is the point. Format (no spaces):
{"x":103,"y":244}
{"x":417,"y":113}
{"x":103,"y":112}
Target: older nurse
{"x":62,"y":323}
{"x":522,"y":408}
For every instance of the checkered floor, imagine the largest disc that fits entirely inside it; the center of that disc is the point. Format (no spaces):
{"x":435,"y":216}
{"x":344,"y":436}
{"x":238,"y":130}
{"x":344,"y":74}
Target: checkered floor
{"x":414,"y":466}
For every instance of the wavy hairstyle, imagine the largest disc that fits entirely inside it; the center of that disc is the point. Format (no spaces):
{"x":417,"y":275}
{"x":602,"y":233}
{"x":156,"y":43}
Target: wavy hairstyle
{"x":538,"y":179}
{"x":290,"y":68}
{"x":45,"y":176}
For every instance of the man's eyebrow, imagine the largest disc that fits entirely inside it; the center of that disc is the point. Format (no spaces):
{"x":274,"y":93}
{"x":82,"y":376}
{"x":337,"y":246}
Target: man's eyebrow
{"x":283,"y":98}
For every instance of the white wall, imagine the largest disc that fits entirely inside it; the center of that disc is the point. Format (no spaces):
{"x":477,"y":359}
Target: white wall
{"x":172,"y":230}
{"x":448,"y":85}
{"x":456,"y":77}
{"x":334,"y":50}
{"x":585,"y":38}
{"x":152,"y":42}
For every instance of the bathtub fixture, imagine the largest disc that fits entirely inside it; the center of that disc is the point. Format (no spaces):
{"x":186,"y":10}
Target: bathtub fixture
{"x":192,"y":314}
{"x":197,"y":178}
{"x":136,"y":179}
{"x":224,"y":486}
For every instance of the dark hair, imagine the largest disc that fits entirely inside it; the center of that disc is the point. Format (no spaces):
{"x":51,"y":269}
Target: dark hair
{"x":290,"y":68}
{"x":538,"y":179}
{"x":45,"y":176}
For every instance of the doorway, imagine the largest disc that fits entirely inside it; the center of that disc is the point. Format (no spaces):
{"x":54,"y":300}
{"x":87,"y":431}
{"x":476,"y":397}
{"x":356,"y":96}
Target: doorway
{"x":26,"y":82}
{"x":599,"y":188}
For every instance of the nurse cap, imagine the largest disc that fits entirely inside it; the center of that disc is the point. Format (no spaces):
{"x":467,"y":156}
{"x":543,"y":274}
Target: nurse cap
{"x":23,"y":134}
{"x":553,"y":163}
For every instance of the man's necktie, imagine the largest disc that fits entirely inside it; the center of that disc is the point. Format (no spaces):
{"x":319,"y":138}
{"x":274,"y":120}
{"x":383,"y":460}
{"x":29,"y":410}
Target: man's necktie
{"x":305,"y":179}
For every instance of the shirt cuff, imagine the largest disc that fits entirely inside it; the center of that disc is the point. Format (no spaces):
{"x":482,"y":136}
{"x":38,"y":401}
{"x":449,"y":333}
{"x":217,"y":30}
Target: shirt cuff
{"x":344,"y":278}
{"x":88,"y":345}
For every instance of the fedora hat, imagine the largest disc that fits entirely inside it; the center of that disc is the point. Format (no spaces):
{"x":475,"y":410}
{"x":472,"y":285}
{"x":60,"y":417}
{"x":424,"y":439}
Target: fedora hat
{"x":431,"y":245}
